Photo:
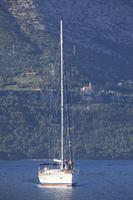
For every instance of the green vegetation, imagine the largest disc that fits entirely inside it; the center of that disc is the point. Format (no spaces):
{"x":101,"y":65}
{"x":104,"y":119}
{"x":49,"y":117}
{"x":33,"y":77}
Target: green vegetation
{"x":29,"y":65}
{"x":22,"y":52}
{"x":99,"y":131}
{"x":37,"y":50}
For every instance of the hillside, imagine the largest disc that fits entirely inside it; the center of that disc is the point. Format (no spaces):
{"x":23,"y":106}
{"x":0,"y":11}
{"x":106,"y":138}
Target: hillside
{"x":22,"y":52}
{"x":101,"y":31}
{"x":97,"y":34}
{"x":98,"y":46}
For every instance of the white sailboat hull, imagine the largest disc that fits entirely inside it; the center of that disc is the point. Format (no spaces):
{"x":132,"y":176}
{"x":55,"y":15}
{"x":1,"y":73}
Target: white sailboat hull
{"x":56,"y":177}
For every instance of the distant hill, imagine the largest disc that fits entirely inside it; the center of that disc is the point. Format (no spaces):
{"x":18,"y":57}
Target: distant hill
{"x":21,"y":51}
{"x":98,"y":56}
{"x":97,"y":37}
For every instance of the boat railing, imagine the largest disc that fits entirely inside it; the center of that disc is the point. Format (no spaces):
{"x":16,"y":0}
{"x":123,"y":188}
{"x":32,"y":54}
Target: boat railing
{"x":47,"y":166}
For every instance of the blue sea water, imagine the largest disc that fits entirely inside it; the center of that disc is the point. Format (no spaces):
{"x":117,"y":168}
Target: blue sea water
{"x":99,"y":180}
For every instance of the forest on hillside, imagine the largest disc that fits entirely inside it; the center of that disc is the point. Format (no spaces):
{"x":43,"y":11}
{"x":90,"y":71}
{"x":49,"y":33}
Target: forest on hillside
{"x":99,"y":131}
{"x":97,"y":51}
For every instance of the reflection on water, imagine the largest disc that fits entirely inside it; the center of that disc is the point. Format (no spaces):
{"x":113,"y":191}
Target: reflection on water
{"x":59,"y":193}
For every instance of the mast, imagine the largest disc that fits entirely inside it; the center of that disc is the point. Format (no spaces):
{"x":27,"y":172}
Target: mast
{"x":62,"y":106}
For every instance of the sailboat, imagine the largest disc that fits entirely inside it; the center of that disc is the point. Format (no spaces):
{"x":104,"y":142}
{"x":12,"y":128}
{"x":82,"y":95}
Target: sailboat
{"x":59,"y":172}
